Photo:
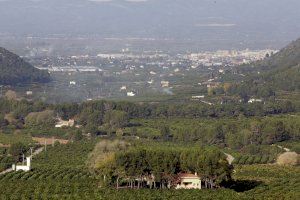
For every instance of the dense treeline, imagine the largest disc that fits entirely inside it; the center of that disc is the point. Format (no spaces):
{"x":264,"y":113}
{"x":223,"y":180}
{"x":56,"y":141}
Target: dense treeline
{"x":233,"y":133}
{"x":191,"y":110}
{"x":14,"y":70}
{"x":88,"y":111}
{"x":161,"y":166}
{"x":107,"y":117}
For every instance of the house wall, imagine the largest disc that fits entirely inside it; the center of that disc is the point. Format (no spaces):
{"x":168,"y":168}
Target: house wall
{"x":193,"y":183}
{"x":23,"y":168}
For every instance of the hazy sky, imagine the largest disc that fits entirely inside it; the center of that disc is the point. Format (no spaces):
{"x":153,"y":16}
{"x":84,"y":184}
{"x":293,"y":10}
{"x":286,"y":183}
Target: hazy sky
{"x":184,"y":19}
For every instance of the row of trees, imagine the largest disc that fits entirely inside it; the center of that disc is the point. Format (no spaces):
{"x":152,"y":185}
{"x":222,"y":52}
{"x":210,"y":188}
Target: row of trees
{"x":94,"y":111}
{"x":160,"y":167}
{"x":228,"y":132}
{"x":111,"y":117}
{"x":191,"y":110}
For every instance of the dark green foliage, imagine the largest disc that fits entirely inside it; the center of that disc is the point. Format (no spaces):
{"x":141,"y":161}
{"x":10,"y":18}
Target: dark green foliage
{"x":40,"y":119}
{"x":245,"y":134}
{"x":94,"y":111}
{"x":17,"y":150}
{"x":3,"y":122}
{"x":275,"y":182}
{"x":71,"y":155}
{"x":116,"y":119}
{"x":251,"y":160}
{"x":165,"y":163}
{"x":14,"y":70}
{"x":5,"y":159}
{"x":253,"y":182}
{"x":280,"y":71}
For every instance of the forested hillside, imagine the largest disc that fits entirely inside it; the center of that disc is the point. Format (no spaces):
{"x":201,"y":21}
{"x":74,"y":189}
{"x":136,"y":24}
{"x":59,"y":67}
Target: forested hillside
{"x":286,"y":58}
{"x":278,"y":72}
{"x":14,"y":70}
{"x":282,"y":70}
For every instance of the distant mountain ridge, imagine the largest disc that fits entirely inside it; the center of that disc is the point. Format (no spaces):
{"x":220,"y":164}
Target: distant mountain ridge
{"x":14,"y":70}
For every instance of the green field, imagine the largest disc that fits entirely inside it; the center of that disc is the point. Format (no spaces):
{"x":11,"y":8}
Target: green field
{"x":62,"y":173}
{"x":8,"y":139}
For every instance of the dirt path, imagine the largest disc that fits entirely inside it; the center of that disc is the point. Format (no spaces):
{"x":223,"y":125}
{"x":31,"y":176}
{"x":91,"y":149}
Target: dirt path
{"x":38,"y":151}
{"x":48,"y":141}
{"x":6,"y":171}
{"x":284,"y":148}
{"x":229,"y":158}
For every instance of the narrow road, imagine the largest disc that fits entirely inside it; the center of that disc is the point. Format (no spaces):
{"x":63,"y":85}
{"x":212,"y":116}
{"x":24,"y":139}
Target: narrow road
{"x":6,"y":171}
{"x":38,"y":151}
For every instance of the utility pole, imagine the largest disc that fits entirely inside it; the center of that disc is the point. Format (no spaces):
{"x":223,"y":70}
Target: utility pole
{"x":45,"y":149}
{"x":31,"y":150}
{"x":1,"y":90}
{"x":45,"y":145}
{"x":23,"y":159}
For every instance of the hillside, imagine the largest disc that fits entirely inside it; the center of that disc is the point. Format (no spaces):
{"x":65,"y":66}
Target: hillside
{"x":280,"y":71}
{"x":286,"y":58}
{"x":14,"y":70}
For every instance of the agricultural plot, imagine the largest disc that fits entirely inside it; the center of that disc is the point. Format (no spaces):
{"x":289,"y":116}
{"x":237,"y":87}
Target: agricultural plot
{"x":8,"y":139}
{"x":272,"y":181}
{"x":61,"y":173}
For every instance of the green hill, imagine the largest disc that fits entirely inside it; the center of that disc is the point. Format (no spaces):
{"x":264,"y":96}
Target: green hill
{"x":14,"y":70}
{"x":287,"y":58}
{"x":284,"y":68}
{"x":279,"y":72}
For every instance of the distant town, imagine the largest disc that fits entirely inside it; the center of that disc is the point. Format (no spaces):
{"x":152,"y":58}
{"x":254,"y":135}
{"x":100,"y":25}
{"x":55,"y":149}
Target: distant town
{"x":130,"y":74}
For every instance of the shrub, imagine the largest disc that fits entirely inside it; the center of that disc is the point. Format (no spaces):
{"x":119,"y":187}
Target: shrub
{"x":288,"y":158}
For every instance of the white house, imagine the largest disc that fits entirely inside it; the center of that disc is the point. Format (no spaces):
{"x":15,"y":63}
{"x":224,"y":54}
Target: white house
{"x":25,"y":168}
{"x":189,"y":181}
{"x":61,"y":123}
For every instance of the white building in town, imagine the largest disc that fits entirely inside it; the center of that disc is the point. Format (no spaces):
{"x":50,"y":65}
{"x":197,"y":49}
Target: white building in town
{"x":131,"y":94}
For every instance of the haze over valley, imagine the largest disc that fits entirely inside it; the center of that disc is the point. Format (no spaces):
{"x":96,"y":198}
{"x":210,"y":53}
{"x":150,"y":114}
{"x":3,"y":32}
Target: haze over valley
{"x":150,"y":99}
